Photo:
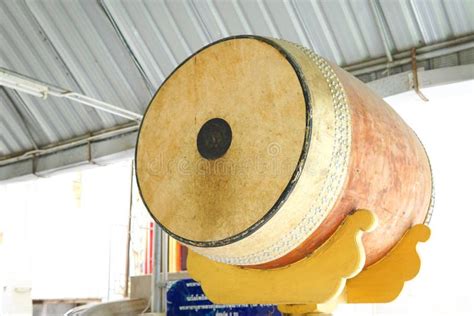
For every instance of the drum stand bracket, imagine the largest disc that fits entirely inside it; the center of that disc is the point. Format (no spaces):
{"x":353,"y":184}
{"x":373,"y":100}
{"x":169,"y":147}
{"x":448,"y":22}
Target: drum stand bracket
{"x":333,"y":274}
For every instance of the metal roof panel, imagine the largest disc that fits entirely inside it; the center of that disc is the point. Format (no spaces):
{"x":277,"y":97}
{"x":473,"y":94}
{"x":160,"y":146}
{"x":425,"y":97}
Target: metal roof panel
{"x":120,"y":51}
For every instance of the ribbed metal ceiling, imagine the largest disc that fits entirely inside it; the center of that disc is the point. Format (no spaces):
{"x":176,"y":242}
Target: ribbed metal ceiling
{"x":121,"y":51}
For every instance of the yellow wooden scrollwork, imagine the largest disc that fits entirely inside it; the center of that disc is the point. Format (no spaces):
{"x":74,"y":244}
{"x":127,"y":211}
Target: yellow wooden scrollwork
{"x":318,"y":283}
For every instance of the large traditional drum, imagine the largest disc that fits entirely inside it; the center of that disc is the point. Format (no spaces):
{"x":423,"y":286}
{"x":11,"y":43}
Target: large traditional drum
{"x":254,"y":150}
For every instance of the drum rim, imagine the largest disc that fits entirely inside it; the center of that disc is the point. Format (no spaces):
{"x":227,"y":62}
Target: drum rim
{"x":296,"y":174}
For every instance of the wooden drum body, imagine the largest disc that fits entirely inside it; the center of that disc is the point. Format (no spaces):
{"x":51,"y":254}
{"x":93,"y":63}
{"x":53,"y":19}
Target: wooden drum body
{"x":254,"y":150}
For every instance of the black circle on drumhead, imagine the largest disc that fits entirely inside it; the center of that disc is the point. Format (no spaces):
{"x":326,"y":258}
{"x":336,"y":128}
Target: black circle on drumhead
{"x":214,"y":138}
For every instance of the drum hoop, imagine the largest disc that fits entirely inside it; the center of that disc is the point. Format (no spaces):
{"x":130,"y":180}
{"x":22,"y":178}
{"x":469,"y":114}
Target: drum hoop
{"x":296,"y":174}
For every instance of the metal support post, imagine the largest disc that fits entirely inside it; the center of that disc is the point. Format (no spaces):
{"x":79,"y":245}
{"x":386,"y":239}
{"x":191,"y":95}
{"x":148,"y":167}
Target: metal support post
{"x":160,"y":271}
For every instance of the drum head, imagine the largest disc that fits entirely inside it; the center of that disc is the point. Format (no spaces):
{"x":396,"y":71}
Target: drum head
{"x":223,"y":141}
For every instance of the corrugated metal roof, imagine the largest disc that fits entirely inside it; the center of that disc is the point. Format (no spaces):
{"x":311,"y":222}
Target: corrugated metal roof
{"x":163,"y":33}
{"x":120,"y":51}
{"x":72,"y":46}
{"x":11,"y":120}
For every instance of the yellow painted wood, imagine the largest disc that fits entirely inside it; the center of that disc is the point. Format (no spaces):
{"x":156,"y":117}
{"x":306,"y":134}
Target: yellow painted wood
{"x":297,"y":309}
{"x":317,"y":284}
{"x":383,"y":281}
{"x":317,"y":279}
{"x":312,"y":309}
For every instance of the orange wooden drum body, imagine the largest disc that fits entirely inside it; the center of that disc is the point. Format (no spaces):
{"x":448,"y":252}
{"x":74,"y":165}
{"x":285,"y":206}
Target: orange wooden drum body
{"x":332,"y":145}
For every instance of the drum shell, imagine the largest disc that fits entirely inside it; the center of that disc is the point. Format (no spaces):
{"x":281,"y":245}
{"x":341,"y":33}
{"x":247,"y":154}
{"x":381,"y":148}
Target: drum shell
{"x":389,"y":173}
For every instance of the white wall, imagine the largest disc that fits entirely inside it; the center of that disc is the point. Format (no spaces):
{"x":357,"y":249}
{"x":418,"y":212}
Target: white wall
{"x":15,"y":257}
{"x":65,"y":236}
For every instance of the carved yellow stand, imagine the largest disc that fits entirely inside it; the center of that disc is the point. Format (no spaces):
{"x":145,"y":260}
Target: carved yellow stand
{"x":331,"y":275}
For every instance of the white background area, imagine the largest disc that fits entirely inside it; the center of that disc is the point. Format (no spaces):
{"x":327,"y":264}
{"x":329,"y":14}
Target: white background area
{"x":65,"y":236}
{"x":62,"y":249}
{"x":444,"y":285}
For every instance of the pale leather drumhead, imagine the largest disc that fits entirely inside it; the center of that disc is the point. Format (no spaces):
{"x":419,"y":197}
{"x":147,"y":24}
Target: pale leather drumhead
{"x":222,"y":142}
